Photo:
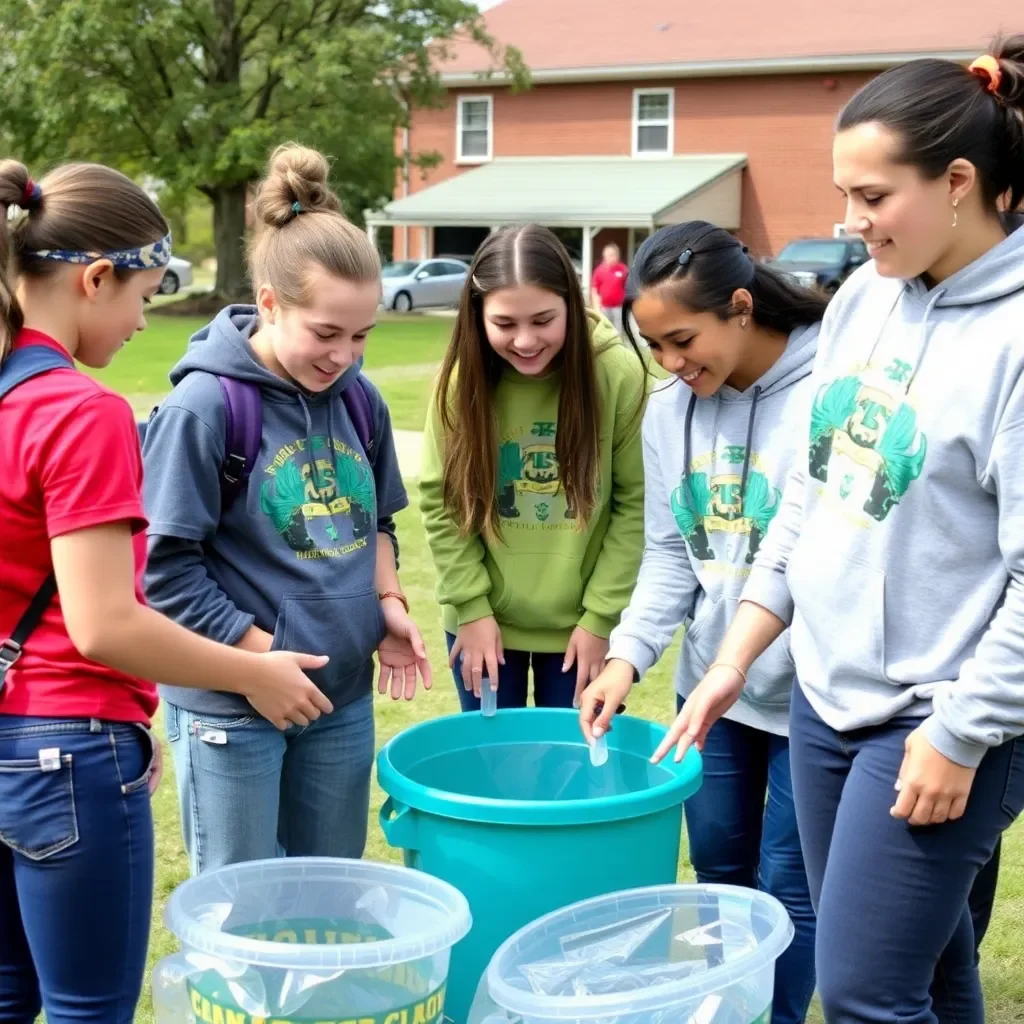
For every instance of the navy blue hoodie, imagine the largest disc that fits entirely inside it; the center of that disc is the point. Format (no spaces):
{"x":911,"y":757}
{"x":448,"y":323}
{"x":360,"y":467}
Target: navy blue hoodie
{"x":296,"y":553}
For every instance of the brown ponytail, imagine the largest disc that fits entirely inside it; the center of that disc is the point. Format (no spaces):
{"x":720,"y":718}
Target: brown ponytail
{"x":83,"y":207}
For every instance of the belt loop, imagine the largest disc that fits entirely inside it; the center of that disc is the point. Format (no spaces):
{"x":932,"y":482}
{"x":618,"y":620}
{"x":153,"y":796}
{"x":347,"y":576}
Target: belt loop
{"x":95,"y":725}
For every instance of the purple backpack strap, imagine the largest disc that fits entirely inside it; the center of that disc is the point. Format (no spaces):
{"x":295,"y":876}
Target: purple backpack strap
{"x":243,"y":430}
{"x":360,"y":411}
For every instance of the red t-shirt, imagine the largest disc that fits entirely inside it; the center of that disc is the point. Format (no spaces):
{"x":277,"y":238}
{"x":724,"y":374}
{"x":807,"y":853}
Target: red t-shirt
{"x":69,"y":460}
{"x":610,"y":284}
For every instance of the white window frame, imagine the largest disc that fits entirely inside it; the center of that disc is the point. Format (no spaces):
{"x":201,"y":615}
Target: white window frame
{"x":668,"y":123}
{"x":839,"y":231}
{"x":460,"y":157}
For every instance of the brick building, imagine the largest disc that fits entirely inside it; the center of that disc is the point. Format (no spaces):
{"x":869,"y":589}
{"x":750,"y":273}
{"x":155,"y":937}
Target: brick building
{"x":646,"y":113}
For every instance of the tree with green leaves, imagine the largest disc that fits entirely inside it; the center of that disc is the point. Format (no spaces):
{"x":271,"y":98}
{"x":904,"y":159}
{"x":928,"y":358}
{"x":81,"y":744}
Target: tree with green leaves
{"x":196,"y":93}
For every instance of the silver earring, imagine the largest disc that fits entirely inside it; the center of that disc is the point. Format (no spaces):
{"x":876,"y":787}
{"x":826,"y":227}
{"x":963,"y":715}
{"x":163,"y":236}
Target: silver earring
{"x":743,"y":323}
{"x":956,"y":202}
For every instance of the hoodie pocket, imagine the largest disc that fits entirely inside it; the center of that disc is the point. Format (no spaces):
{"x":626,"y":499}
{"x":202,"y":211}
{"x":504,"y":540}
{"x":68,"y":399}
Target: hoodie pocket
{"x":348,"y":628}
{"x":841,"y":602}
{"x":541,"y":592}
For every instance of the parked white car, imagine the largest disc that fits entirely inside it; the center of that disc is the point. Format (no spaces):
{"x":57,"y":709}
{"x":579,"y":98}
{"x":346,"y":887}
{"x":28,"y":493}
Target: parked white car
{"x":177,"y":276}
{"x":417,"y":284}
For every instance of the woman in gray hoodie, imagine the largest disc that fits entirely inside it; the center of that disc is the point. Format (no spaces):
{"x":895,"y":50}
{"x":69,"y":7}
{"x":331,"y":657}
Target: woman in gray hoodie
{"x":897,"y":558}
{"x":719,"y":440}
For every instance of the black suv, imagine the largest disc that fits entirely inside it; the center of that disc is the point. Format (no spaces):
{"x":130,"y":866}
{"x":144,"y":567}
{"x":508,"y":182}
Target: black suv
{"x":824,"y":263}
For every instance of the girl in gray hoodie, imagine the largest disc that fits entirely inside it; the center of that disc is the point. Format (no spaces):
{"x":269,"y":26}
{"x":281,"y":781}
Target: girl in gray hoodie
{"x":719,"y":439}
{"x":897,"y":558}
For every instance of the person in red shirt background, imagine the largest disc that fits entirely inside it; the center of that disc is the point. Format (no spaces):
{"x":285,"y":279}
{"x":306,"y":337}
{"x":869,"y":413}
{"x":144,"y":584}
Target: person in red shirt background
{"x":608,"y":287}
{"x":78,"y":646}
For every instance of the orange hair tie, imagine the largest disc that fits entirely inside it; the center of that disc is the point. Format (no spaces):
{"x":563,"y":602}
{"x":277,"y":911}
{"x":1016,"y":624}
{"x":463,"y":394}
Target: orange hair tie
{"x":988,"y":67}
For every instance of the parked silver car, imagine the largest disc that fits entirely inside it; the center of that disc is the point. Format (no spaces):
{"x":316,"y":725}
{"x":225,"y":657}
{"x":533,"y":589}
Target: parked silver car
{"x":418,"y":284}
{"x":177,"y":276}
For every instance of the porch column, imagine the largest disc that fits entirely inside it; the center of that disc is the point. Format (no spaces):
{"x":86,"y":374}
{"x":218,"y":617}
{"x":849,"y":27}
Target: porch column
{"x":371,"y":233}
{"x":587,"y":259}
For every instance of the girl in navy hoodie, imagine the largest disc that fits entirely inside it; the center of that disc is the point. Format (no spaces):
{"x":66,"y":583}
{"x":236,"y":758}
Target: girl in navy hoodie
{"x":304,"y":554}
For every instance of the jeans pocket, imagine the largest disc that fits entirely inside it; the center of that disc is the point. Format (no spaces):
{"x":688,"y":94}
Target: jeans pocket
{"x":124,"y":739}
{"x":171,"y":725}
{"x":1012,"y":801}
{"x":38,"y":818}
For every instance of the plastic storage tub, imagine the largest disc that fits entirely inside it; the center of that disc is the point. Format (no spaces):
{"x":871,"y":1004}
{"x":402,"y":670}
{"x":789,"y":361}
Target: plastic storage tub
{"x":511,"y":811}
{"x":678,"y":954}
{"x":309,"y":940}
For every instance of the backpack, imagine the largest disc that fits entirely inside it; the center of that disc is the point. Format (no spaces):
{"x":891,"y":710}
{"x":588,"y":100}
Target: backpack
{"x":243,"y":429}
{"x":243,"y":413}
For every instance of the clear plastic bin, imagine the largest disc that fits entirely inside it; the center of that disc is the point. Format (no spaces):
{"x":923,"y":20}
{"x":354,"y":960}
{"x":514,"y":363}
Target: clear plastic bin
{"x":309,"y":940}
{"x":674,"y":954}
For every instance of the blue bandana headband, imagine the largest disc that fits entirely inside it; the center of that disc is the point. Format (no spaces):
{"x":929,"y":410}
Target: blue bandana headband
{"x":143,"y":257}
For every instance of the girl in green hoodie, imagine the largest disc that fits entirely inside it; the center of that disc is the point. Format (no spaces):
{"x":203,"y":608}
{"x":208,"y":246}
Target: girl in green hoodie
{"x":532,"y":482}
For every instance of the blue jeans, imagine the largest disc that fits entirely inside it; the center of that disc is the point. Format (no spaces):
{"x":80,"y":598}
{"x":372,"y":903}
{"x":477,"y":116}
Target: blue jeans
{"x":895,"y":937}
{"x":552,"y":688}
{"x":741,"y":828}
{"x":76,"y":869}
{"x":248,"y":791}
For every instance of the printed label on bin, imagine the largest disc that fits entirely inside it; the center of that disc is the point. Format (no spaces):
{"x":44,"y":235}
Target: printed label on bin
{"x":400,"y":987}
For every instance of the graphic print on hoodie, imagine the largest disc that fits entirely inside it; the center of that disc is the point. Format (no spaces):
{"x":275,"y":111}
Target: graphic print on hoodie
{"x":714,"y":473}
{"x":296,"y":552}
{"x":898,"y":552}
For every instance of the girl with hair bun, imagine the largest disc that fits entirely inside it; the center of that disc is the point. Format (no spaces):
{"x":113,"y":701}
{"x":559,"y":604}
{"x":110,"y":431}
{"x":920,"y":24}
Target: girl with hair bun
{"x":84,"y":252}
{"x":897,"y":558}
{"x":719,"y":440}
{"x":271,"y":483}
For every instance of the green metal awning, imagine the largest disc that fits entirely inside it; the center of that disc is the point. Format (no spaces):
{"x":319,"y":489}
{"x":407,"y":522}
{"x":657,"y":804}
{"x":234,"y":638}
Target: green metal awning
{"x":579,"y":191}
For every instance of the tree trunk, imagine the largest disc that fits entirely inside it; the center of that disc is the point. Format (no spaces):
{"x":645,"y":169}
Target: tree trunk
{"x":229,"y":238}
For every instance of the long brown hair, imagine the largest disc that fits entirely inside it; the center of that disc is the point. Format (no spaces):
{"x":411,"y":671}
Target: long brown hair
{"x":510,"y":258}
{"x":299,"y":222}
{"x":82,"y":207}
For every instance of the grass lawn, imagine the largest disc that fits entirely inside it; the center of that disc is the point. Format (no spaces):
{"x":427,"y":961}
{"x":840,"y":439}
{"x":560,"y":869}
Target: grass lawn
{"x":402,"y":356}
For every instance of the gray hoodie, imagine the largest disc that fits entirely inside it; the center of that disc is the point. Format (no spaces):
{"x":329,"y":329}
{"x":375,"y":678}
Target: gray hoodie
{"x":713,"y":476}
{"x":898,"y":555}
{"x":296,"y":553}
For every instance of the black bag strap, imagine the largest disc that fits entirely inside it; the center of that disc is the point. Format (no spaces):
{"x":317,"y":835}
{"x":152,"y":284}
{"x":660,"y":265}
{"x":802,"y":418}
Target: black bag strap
{"x":10,"y":649}
{"x":22,"y":365}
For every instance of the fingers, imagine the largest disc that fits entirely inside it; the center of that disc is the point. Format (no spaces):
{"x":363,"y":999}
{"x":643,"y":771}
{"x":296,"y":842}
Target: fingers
{"x":678,"y":731}
{"x":492,"y":667}
{"x":410,"y":681}
{"x":570,"y":655}
{"x":320,"y":703}
{"x":603,"y":722}
{"x":453,"y":654}
{"x":397,"y":682}
{"x":906,"y":802}
{"x":957,"y":808}
{"x":308,"y":661}
{"x":940,"y":811}
{"x":419,"y":648}
{"x":501,"y":649}
{"x":589,"y":700}
{"x":426,"y":675}
{"x":296,"y":717}
{"x":384,"y":676}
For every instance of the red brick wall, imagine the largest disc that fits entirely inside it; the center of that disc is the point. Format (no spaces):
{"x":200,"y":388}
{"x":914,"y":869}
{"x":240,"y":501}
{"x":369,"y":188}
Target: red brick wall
{"x":783,"y":123}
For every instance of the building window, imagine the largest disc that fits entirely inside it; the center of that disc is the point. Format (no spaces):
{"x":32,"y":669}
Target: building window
{"x":475,"y":143}
{"x":652,"y":122}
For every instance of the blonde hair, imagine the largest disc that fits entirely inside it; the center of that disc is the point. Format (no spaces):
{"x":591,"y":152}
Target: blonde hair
{"x":82,"y":207}
{"x":299,"y":222}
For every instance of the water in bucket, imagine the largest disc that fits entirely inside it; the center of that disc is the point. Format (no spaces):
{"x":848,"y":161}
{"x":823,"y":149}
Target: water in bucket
{"x":309,"y":941}
{"x":677,"y":954}
{"x":514,"y":811}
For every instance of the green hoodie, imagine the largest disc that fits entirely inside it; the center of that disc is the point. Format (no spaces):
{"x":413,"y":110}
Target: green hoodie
{"x":544,"y":576}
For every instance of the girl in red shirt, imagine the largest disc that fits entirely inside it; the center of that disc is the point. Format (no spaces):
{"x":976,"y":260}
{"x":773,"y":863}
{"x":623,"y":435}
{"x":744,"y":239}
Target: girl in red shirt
{"x":77,"y":643}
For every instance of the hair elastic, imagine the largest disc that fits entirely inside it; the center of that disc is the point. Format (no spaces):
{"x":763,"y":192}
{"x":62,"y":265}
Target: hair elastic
{"x":987,"y":67}
{"x":297,"y":208}
{"x":31,"y":195}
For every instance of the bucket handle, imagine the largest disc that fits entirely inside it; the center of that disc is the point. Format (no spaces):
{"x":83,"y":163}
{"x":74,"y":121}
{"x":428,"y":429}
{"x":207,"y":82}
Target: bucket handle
{"x":399,"y":830}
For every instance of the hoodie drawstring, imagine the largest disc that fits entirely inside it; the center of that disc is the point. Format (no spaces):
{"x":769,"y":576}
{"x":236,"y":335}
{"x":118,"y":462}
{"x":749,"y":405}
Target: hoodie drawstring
{"x":746,"y":453}
{"x":314,"y":470}
{"x":923,"y":347}
{"x":691,"y":408}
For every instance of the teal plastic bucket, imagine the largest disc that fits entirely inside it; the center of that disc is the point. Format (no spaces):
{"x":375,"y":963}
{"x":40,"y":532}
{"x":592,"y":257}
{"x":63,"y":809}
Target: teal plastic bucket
{"x":511,"y":812}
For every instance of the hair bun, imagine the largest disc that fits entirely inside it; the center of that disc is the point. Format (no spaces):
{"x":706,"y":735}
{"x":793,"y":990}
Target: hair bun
{"x":1009,"y":53}
{"x":295,"y":175}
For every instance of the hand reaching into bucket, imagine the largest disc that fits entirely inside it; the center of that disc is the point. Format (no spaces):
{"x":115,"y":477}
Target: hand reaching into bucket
{"x":604,"y":698}
{"x":479,"y":644}
{"x":714,"y":695}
